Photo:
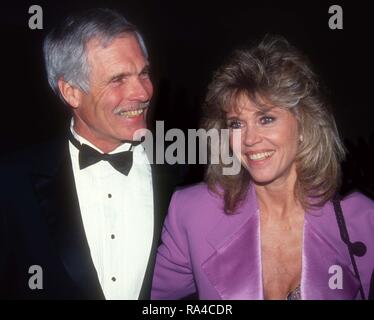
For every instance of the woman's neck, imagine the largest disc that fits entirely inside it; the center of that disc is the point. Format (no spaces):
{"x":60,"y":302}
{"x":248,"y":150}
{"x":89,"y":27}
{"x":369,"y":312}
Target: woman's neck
{"x":278,"y":199}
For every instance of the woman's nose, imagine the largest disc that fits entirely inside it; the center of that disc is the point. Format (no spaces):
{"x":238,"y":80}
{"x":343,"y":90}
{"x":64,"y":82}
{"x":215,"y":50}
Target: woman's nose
{"x":251,"y":136}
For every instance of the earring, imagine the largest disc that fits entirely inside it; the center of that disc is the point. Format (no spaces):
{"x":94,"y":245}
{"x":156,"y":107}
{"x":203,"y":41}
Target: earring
{"x":301,"y":138}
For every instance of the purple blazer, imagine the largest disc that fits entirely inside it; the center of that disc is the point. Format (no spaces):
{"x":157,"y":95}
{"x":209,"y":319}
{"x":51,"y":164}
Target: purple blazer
{"x":204,"y":250}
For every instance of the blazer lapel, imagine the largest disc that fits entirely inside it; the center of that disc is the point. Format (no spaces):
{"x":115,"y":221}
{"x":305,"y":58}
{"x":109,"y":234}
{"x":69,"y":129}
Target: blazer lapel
{"x":326,"y":267}
{"x":55,"y":189}
{"x":235,"y":268}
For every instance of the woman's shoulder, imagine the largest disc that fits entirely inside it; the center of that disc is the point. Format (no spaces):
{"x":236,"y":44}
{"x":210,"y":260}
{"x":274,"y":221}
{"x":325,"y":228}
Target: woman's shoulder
{"x":358,"y":212}
{"x":358,"y":203}
{"x":197,"y":193}
{"x":196,"y":200}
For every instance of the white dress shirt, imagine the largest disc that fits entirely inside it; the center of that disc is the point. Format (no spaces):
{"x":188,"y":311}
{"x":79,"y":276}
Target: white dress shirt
{"x":118,"y":218}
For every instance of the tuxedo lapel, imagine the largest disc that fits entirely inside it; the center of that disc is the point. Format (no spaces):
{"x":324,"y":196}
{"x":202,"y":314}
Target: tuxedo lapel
{"x":235,"y":268}
{"x":55,"y":189}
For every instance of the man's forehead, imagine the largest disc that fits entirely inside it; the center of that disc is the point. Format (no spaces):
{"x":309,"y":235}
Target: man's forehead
{"x":102,"y":43}
{"x":121,"y":57}
{"x":124,"y":51}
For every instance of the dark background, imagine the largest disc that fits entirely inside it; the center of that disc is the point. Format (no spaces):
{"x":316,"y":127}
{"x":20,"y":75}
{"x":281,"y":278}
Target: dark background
{"x":187,"y":41}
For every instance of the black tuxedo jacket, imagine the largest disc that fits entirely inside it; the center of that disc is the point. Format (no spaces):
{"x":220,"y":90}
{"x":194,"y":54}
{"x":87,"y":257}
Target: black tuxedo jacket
{"x":40,"y":224}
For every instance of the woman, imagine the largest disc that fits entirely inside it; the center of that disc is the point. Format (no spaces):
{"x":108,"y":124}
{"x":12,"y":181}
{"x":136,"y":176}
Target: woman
{"x":271,"y":231}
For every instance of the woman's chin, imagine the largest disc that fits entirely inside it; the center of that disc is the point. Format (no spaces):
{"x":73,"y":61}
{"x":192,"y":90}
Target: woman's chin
{"x":262,"y":180}
{"x":261,"y":183}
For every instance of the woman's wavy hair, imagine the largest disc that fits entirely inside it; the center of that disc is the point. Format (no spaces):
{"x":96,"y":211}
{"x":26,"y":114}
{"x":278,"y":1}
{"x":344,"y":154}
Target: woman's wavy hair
{"x":275,"y":71}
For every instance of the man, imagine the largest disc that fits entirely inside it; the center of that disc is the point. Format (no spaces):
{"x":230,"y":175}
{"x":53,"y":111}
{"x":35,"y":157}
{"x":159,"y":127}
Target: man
{"x":81,"y":217}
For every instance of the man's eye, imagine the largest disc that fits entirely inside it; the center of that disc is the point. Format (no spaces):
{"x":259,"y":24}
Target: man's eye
{"x":235,"y":124}
{"x":117,"y":80}
{"x":267,"y":119}
{"x":145,"y":74}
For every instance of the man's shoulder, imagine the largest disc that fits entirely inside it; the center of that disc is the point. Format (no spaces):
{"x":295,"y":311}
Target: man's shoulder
{"x":29,"y":157}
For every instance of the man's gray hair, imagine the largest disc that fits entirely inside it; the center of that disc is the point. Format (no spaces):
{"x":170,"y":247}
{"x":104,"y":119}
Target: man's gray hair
{"x":64,"y":47}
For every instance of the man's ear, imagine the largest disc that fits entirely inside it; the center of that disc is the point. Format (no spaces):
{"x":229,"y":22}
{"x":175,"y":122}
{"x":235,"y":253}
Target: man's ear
{"x":71,"y":94}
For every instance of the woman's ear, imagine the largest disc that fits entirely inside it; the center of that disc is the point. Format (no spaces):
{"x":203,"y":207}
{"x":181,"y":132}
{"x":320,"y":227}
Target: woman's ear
{"x":71,"y":94}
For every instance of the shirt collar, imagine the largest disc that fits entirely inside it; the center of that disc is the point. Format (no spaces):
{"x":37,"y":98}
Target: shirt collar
{"x":123,"y":147}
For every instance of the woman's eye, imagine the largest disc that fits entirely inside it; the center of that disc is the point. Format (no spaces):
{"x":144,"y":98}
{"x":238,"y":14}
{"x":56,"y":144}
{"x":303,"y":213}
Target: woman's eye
{"x":266,"y":119}
{"x":235,"y":124}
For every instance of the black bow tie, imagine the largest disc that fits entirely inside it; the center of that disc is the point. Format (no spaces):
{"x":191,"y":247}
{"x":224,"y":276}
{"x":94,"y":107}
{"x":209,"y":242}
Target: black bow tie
{"x":88,"y":156}
{"x":121,"y":161}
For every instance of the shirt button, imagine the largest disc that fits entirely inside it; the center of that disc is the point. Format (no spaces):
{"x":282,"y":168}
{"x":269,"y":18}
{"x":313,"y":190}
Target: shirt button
{"x":114,"y":279}
{"x":109,"y":195}
{"x":112,"y":236}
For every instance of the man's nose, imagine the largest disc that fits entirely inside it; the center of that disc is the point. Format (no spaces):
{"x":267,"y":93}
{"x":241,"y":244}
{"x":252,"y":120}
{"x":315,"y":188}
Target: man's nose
{"x":140,"y":90}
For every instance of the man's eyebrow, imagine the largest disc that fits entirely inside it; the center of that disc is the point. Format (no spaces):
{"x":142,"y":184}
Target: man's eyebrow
{"x":147,"y":68}
{"x":118,"y":76}
{"x":123,"y":75}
